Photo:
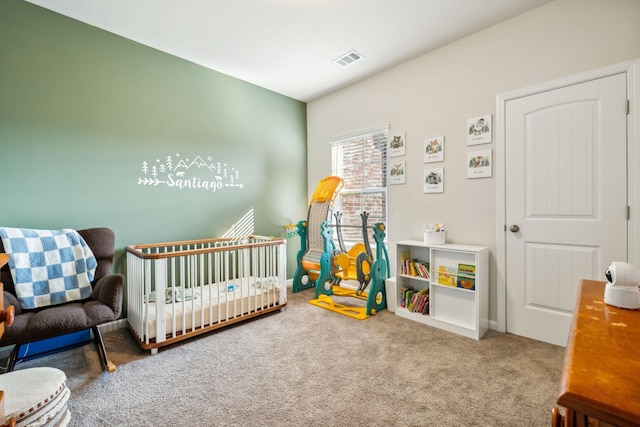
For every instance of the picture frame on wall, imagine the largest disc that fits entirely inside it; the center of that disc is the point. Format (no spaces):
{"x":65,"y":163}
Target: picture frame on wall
{"x":434,"y":149}
{"x":479,"y":130}
{"x":397,"y":172}
{"x":397,"y":144}
{"x":433,"y":180}
{"x":479,"y":164}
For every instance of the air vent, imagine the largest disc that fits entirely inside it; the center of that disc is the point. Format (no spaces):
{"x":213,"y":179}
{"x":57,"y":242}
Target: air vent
{"x":348,"y":58}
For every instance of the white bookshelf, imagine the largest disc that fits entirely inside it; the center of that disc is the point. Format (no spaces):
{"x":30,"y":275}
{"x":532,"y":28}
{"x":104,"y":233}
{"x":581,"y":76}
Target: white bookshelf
{"x":452,"y":308}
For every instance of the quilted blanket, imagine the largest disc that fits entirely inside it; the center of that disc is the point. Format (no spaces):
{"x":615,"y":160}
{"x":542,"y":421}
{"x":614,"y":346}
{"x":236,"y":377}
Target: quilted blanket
{"x":48,"y":267}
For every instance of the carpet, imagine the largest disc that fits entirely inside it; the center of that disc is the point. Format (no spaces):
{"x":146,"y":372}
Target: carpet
{"x":306,"y":366}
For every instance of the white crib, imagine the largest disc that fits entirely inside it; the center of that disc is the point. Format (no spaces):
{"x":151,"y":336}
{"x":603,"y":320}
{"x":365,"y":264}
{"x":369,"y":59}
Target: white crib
{"x":178,"y":290}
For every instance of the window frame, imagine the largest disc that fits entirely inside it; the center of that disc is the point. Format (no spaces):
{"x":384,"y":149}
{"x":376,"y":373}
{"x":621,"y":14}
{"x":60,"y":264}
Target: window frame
{"x":380,"y":135}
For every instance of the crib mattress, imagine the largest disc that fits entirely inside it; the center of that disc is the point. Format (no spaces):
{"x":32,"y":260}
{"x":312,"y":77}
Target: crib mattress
{"x":206,"y":305}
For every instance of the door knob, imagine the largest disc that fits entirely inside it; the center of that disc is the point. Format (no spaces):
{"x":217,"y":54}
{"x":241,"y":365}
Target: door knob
{"x":514,"y":228}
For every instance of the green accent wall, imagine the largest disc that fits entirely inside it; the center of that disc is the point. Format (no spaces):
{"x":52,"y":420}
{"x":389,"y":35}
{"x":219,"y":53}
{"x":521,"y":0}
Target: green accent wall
{"x":86,"y":115}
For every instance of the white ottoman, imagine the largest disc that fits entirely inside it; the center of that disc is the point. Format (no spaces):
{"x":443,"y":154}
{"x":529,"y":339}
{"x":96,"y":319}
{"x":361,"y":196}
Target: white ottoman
{"x":36,"y":397}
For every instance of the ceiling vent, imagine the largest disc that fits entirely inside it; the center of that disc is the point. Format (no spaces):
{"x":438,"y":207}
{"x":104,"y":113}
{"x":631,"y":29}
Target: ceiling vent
{"x":348,"y":58}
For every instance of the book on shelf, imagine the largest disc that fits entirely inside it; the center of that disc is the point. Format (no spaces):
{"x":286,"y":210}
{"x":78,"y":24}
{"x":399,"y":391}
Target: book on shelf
{"x":419,"y":301}
{"x":466,"y":276}
{"x":405,"y":296}
{"x":447,"y":275}
{"x":422,"y":268}
{"x":466,"y":283}
{"x":467,"y":270}
{"x":406,"y":258}
{"x":414,"y":267}
{"x":422,"y":305}
{"x":415,"y":301}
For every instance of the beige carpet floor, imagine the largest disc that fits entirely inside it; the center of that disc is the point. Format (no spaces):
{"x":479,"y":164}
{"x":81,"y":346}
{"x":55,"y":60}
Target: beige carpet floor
{"x":306,"y":366}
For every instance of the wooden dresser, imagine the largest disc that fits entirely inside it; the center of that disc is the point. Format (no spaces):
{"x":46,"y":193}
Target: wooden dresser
{"x":600,"y":384}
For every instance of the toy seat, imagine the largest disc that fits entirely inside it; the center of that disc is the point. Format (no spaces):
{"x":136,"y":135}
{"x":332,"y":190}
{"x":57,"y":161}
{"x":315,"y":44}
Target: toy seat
{"x":348,"y":263}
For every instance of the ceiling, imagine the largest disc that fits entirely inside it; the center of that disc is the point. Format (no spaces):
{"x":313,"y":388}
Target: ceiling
{"x":288,"y":46}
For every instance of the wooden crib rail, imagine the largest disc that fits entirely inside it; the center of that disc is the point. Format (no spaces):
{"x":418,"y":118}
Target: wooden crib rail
{"x":219,"y":244}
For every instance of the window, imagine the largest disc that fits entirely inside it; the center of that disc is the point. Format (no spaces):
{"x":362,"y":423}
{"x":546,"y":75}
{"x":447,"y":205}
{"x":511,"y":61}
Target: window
{"x":360,"y":160}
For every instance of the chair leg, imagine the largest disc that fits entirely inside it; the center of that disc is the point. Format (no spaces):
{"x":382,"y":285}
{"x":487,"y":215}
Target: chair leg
{"x":104,"y":359}
{"x":13,"y":358}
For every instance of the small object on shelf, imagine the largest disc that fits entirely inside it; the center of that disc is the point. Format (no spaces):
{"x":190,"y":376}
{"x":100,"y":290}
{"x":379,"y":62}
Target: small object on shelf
{"x":434,"y":234}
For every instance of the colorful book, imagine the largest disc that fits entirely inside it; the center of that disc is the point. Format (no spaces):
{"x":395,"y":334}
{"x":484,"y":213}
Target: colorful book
{"x":447,"y":275}
{"x":412,"y":268}
{"x":467,"y":270}
{"x":466,"y":282}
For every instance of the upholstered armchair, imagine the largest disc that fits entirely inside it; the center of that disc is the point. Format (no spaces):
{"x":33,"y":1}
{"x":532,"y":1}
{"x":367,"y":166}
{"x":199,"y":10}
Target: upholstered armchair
{"x":103,"y":305}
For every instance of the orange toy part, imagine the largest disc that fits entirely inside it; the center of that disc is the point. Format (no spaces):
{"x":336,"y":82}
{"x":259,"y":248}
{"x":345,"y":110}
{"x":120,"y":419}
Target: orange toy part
{"x":312,"y":269}
{"x":327,"y":189}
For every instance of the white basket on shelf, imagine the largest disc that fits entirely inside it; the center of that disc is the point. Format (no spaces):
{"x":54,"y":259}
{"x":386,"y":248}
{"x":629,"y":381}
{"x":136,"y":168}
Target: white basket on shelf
{"x":434,"y":234}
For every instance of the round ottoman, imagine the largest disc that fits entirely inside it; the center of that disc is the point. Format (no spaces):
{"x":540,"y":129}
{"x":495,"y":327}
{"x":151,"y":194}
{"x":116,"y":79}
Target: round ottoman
{"x":36,"y":397}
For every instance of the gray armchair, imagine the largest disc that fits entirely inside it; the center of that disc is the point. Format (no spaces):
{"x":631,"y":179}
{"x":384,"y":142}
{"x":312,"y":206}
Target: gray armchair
{"x":104,"y":304}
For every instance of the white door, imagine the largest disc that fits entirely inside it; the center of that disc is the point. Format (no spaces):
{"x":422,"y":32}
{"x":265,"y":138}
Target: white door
{"x":566,"y":200}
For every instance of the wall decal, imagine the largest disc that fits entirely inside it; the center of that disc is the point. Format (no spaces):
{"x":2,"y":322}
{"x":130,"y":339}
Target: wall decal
{"x":190,"y":173}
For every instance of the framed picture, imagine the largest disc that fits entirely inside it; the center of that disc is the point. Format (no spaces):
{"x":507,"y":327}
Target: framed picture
{"x":396,"y":145}
{"x":434,"y":149}
{"x":397,"y":172}
{"x":434,"y":180}
{"x":479,"y":130}
{"x":479,"y":164}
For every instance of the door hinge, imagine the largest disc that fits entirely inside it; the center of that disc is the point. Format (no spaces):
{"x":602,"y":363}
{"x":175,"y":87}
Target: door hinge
{"x":627,"y":107}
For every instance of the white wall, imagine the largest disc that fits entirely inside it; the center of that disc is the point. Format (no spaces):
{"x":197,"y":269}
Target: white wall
{"x":436,"y":93}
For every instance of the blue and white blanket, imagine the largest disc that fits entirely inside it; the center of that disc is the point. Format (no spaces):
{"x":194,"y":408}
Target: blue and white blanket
{"x":48,"y":266}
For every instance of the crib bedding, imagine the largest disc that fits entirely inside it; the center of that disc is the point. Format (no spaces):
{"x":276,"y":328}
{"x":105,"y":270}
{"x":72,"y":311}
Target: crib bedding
{"x":209,"y":304}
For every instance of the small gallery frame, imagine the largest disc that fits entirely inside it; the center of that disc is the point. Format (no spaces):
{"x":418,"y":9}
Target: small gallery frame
{"x":479,"y":130}
{"x":479,"y":164}
{"x":397,"y":172}
{"x":433,"y":149}
{"x":433,"y":181}
{"x":397,"y":144}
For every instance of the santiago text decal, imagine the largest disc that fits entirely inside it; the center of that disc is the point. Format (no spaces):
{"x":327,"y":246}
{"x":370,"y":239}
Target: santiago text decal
{"x":190,"y":174}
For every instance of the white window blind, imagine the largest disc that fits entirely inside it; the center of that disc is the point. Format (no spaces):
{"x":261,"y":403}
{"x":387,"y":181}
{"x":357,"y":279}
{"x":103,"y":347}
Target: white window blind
{"x":360,"y":159}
